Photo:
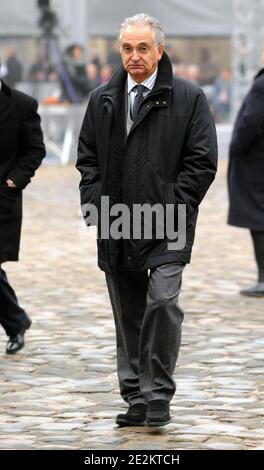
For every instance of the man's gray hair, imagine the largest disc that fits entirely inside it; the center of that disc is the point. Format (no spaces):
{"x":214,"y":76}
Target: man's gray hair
{"x":146,"y":20}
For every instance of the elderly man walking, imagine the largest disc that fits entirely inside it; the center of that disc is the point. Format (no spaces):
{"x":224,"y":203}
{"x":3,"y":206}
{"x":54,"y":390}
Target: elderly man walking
{"x":147,"y":138}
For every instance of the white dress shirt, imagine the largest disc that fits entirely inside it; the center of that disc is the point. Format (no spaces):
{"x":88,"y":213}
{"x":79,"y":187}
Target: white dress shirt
{"x":148,"y":83}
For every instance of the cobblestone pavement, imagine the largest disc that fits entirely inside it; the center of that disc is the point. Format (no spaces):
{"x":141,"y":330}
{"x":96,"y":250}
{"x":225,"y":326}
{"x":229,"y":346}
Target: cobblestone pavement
{"x":61,"y":391}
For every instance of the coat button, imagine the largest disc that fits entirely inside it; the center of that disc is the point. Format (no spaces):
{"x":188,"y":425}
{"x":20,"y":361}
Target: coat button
{"x":130,"y":260}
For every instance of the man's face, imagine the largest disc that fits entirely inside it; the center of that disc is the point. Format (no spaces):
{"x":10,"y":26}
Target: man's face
{"x":140,"y":55}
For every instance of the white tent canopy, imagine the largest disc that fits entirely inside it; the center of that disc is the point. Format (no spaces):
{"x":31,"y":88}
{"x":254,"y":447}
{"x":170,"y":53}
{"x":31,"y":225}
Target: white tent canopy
{"x":84,"y":18}
{"x":18,"y":18}
{"x":179,"y":17}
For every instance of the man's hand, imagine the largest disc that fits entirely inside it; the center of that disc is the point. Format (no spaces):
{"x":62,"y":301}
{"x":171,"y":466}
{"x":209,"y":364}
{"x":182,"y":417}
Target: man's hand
{"x":10,"y":184}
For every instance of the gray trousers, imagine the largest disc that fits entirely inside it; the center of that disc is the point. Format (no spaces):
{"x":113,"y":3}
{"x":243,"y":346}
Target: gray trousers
{"x":148,"y":322}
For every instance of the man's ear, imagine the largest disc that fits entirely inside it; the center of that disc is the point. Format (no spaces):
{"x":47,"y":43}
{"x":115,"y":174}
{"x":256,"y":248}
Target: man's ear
{"x":161,"y":50}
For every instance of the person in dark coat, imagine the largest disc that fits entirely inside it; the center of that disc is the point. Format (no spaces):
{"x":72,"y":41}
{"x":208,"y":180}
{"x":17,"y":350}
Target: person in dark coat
{"x":145,"y":145}
{"x":14,"y":67}
{"x":246,"y":175}
{"x":76,"y":70}
{"x":22,"y":150}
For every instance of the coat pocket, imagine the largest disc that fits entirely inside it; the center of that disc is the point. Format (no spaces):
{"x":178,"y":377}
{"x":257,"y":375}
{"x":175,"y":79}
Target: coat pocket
{"x":9,"y":192}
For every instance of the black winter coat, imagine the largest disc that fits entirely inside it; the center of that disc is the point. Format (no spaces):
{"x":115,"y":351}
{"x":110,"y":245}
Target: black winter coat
{"x":169,"y":157}
{"x":246,"y":161}
{"x":21,"y":152}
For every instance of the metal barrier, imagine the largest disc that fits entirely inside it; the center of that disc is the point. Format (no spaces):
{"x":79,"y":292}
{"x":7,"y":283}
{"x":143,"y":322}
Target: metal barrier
{"x":224,"y":132}
{"x":61,"y":125}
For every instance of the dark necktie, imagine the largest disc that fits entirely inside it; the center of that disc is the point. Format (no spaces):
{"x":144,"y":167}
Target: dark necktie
{"x":138,"y":100}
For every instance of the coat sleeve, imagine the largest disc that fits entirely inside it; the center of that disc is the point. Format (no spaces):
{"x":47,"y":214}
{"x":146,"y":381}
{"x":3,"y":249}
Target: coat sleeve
{"x":31,"y":147}
{"x":250,"y":123}
{"x":87,"y":161}
{"x":199,"y":157}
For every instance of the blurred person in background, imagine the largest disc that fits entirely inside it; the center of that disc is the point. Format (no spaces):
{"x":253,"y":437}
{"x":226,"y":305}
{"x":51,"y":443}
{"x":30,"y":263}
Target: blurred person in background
{"x":13,"y":67}
{"x":22,"y":150}
{"x":221,"y":96}
{"x":180,"y":70}
{"x":105,"y":73}
{"x":41,"y":70}
{"x":113,"y":58}
{"x":146,"y":138}
{"x":75,"y":67}
{"x":174,"y":58}
{"x":92,"y":75}
{"x":94,"y":58}
{"x":208,"y":69}
{"x":246,"y":175}
{"x":193,"y":74}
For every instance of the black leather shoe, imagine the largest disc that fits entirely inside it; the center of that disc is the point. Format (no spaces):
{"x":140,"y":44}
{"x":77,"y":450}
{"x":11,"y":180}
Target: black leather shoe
{"x":158,"y":413}
{"x":135,"y":416}
{"x":257,"y":290}
{"x":16,"y":342}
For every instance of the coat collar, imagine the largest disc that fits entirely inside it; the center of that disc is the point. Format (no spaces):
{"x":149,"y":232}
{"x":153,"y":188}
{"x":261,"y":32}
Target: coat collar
{"x":5,"y":89}
{"x":5,"y":94}
{"x":163,"y":82}
{"x":261,"y":72}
